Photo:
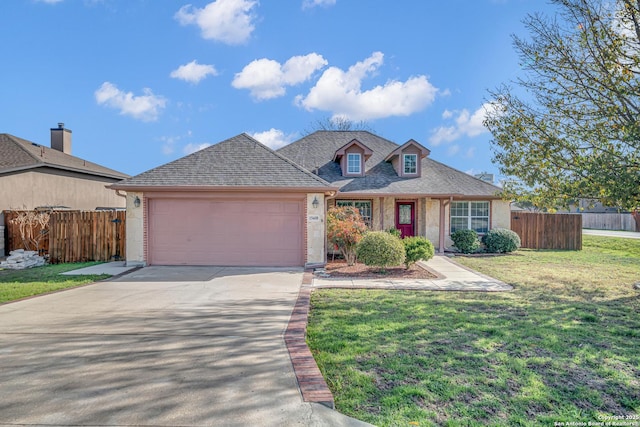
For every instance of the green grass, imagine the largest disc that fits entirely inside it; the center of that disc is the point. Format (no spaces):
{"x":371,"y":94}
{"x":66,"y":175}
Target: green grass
{"x":563,"y":346}
{"x":16,"y":284}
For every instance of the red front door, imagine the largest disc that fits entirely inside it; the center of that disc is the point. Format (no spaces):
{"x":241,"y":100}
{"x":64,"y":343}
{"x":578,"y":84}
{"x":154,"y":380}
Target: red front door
{"x":406,"y":218}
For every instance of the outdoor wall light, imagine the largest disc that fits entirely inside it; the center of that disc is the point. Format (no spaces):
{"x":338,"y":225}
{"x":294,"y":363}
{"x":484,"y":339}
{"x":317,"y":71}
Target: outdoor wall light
{"x":136,"y":202}
{"x":315,"y":202}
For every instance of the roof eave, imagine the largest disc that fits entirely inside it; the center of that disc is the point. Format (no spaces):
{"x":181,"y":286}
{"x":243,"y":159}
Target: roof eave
{"x":221,"y":188}
{"x":54,"y":166}
{"x":457,"y":196}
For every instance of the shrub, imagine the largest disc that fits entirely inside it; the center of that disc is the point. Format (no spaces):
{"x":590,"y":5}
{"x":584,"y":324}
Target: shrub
{"x":501,"y":240}
{"x":415,"y":249}
{"x":345,"y":229}
{"x":466,"y":241}
{"x":381,"y":249}
{"x":394,"y":232}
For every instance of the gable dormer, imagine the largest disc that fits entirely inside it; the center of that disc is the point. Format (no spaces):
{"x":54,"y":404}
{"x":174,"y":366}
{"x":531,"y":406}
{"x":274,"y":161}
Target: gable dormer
{"x":407,"y":159}
{"x":352,"y":157}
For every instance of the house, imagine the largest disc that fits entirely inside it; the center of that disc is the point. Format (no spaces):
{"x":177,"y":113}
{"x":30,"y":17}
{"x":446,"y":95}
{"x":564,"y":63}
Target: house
{"x":240,"y":203}
{"x":400,"y":186}
{"x":34,"y":176}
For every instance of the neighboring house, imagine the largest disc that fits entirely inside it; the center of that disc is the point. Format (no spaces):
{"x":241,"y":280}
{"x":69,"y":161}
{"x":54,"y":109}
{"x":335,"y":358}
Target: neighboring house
{"x":240,"y":203}
{"x":32,"y":176}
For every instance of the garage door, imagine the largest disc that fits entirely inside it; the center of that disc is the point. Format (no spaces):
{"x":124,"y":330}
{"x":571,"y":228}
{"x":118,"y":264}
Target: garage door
{"x":225,"y":232}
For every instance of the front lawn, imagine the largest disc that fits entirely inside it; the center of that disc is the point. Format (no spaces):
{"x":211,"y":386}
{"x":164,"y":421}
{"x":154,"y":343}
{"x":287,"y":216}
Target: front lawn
{"x":16,"y":284}
{"x":563,"y":346}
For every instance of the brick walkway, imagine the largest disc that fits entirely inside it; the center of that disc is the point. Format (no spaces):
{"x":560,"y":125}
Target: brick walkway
{"x":310,"y":380}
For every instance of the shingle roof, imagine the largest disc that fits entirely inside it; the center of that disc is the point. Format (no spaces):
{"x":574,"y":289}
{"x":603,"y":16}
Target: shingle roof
{"x":19,"y":154}
{"x":315,"y":151}
{"x":240,"y":161}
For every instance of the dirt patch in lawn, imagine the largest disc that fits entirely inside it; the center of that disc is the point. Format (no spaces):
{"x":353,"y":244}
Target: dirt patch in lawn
{"x":339,"y":268}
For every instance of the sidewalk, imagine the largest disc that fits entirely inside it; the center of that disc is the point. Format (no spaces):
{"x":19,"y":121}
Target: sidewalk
{"x":453,"y":277}
{"x":612,"y":233}
{"x":111,"y":268}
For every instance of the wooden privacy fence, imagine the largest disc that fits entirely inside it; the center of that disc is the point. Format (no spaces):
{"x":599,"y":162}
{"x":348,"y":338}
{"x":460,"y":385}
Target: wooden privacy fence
{"x":609,"y":221}
{"x":14,"y":238}
{"x":76,"y":236}
{"x":548,"y":231}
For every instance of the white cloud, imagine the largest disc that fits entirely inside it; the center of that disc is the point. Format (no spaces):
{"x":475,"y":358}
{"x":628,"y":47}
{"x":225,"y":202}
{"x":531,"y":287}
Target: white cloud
{"x":144,"y":107}
{"x":266,"y":78}
{"x":193,"y":72}
{"x":453,"y":150}
{"x":471,"y":152}
{"x":340,"y":92}
{"x":274,"y":138}
{"x":466,"y":124}
{"x":226,"y":21}
{"x":313,"y":3}
{"x":192,"y":148}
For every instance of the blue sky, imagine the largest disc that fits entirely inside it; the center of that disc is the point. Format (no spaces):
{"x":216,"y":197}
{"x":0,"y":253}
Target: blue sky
{"x":143,"y":82}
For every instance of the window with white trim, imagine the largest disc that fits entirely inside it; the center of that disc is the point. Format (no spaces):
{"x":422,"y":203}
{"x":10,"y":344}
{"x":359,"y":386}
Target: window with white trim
{"x":469,"y":216}
{"x":363,"y":206}
{"x":353,"y":163}
{"x":410,"y":162}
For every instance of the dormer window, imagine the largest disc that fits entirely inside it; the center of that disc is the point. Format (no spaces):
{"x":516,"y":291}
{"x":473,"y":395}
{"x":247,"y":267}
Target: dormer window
{"x":354,"y":164}
{"x":407,"y":159}
{"x":352,"y":157}
{"x":410,"y":162}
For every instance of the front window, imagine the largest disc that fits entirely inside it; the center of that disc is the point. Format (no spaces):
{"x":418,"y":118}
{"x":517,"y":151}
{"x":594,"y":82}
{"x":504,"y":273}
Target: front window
{"x":410,"y":164}
{"x":470,"y":216}
{"x":363,"y":206}
{"x":353,"y":163}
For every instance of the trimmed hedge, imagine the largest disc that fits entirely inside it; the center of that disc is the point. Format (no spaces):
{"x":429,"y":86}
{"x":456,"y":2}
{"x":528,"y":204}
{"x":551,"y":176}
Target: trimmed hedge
{"x":501,"y":240}
{"x":381,"y":249}
{"x":466,"y":241}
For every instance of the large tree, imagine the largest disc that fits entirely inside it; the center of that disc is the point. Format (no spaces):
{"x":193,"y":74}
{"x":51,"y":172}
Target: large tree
{"x":570,"y":126}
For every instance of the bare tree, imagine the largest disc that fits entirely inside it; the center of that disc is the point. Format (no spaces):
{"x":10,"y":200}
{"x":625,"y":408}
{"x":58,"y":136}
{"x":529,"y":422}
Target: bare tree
{"x":337,"y":123}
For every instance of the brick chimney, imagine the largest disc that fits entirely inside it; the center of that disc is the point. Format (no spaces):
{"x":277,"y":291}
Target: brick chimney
{"x":61,"y":139}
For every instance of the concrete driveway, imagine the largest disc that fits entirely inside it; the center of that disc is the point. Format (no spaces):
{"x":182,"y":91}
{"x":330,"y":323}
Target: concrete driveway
{"x":161,"y":346}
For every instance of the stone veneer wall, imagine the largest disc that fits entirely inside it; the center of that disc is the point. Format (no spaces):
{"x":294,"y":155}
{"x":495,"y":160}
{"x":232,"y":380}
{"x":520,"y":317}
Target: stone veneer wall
{"x":1,"y":234}
{"x":316,"y":233}
{"x":135,"y":230}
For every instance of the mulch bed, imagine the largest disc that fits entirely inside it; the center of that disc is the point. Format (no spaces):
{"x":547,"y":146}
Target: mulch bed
{"x":339,"y":268}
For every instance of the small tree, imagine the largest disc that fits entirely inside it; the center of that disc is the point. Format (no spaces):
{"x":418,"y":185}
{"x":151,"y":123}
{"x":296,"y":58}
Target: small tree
{"x":417,"y":248}
{"x":345,"y":229}
{"x":569,"y":128}
{"x":381,"y":249}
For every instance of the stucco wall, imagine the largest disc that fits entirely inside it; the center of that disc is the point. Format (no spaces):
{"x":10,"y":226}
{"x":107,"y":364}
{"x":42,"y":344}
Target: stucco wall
{"x":315,"y":230}
{"x":501,"y":214}
{"x":135,"y":230}
{"x":432,"y":218}
{"x":29,"y":190}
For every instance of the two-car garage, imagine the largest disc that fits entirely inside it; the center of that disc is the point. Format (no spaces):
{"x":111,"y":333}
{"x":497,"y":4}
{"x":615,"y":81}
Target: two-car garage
{"x":253,"y":230}
{"x":235,"y":203}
